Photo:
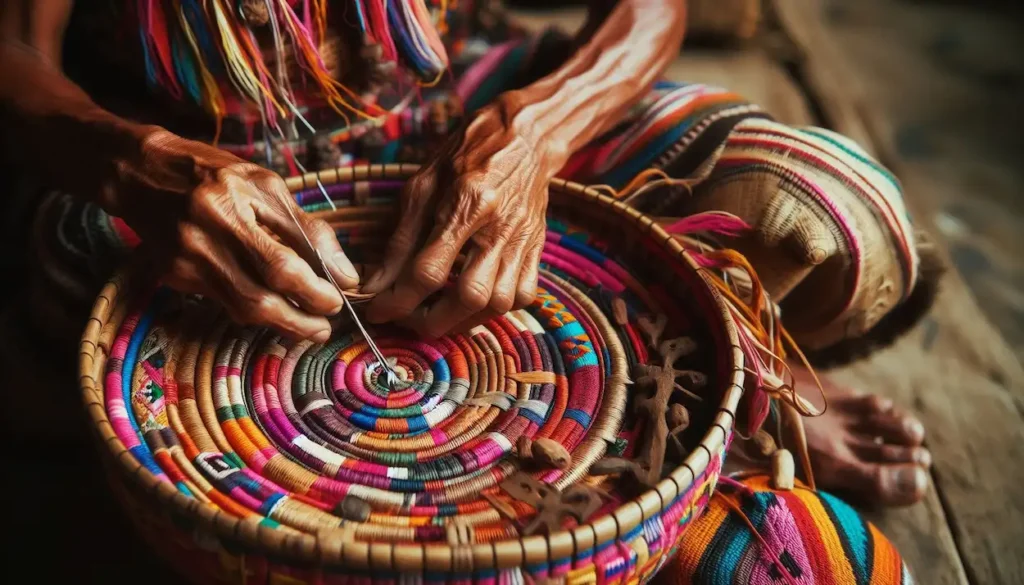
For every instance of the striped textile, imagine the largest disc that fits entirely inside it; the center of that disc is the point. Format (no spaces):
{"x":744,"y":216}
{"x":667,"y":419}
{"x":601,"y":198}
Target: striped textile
{"x":813,"y":536}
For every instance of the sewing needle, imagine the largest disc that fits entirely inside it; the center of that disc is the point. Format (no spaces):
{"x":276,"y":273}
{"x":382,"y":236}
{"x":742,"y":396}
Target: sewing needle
{"x":389,"y":374}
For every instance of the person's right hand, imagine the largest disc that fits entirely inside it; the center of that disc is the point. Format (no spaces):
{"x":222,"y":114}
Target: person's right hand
{"x":209,"y":220}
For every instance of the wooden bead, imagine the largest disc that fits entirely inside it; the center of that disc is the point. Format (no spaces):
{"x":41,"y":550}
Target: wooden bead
{"x":678,"y":418}
{"x":783,"y":470}
{"x":548,"y":453}
{"x":764,"y":442}
{"x":612,"y":466}
{"x":254,"y":12}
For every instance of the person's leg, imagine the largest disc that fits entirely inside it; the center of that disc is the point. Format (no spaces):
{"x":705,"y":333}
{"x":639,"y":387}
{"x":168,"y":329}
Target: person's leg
{"x":867,"y":448}
{"x":828,"y":237}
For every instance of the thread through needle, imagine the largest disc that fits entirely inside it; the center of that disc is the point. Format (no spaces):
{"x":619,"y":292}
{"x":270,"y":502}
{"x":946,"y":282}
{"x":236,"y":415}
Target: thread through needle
{"x":382,"y":363}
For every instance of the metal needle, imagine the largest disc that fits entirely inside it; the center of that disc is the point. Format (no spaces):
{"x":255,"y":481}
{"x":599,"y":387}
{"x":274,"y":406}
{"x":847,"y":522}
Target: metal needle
{"x":390,"y":376}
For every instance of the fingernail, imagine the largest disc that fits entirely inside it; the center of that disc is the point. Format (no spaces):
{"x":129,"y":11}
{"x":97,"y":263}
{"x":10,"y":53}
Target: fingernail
{"x":911,"y":479}
{"x":923,"y":457}
{"x":322,"y":336}
{"x":915,"y":428}
{"x":371,"y":282}
{"x":343,"y":264}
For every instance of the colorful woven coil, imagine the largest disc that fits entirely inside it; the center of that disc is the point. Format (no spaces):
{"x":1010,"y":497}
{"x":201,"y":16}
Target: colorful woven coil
{"x":271,"y":451}
{"x":755,"y":535}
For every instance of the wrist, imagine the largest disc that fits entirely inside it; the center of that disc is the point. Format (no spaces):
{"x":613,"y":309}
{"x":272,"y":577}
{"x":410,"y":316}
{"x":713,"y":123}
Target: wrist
{"x":123,"y":153}
{"x":525,"y":116}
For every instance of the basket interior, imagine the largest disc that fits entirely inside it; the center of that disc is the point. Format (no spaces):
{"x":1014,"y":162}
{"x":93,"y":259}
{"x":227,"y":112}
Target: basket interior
{"x":238,"y":425}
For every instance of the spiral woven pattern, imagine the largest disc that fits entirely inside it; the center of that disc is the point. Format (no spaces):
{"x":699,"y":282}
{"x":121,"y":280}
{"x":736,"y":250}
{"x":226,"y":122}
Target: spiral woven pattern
{"x":297,"y":438}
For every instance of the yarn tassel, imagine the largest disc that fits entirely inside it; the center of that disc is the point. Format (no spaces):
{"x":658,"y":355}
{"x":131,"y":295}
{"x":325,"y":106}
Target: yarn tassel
{"x":717,"y":222}
{"x":157,"y":47}
{"x":192,"y":24}
{"x":764,"y":340}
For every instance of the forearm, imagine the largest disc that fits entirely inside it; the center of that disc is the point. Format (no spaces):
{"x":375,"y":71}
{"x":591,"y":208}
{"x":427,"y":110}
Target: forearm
{"x":614,"y":68}
{"x":54,"y":130}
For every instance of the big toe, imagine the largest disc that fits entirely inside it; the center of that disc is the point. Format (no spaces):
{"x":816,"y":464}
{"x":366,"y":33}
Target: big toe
{"x":892,"y":484}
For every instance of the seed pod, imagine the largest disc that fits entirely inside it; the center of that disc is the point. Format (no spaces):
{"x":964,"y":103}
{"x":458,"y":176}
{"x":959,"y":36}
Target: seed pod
{"x":353,"y":508}
{"x":678,"y":418}
{"x":652,"y":328}
{"x":613,"y":466}
{"x":764,"y":442}
{"x":254,"y":12}
{"x":550,"y":453}
{"x":783,"y":470}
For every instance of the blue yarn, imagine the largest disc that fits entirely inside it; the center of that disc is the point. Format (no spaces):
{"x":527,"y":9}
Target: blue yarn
{"x":849,"y":522}
{"x":185,"y":69}
{"x":141,"y":453}
{"x":196,"y":18}
{"x":147,"y":58}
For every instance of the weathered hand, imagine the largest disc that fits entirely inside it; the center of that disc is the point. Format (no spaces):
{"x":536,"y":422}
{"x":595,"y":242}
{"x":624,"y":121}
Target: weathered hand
{"x":485,"y":195}
{"x":216,"y":225}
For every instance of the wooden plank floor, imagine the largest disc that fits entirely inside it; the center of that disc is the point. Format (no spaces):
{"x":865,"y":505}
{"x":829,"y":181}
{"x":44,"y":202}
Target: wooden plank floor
{"x":869,"y":67}
{"x":955,"y":371}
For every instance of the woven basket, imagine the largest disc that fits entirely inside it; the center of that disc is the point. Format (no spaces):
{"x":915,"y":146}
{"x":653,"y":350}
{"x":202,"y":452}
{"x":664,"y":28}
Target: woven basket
{"x":203,"y":534}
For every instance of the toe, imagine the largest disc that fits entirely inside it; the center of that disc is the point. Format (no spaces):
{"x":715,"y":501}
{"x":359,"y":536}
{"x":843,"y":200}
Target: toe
{"x":899,"y":484}
{"x":890,"y":453}
{"x":869,"y":404}
{"x":893,"y":426}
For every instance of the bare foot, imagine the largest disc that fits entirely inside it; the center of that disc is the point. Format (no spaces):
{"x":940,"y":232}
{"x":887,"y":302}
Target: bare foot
{"x":866,"y":448}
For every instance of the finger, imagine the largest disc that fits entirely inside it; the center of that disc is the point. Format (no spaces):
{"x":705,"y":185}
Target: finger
{"x":427,"y":274}
{"x":417,"y":197}
{"x":208,"y":268}
{"x":504,"y":296}
{"x":472,"y":294}
{"x":320,"y":236}
{"x":526,"y":291}
{"x":230,"y":212}
{"x":249,"y":303}
{"x":282,"y":270}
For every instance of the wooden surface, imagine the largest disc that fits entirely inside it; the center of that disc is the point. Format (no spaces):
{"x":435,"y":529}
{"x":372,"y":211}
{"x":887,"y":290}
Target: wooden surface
{"x":864,"y":69}
{"x":935,"y":95}
{"x":872,"y":69}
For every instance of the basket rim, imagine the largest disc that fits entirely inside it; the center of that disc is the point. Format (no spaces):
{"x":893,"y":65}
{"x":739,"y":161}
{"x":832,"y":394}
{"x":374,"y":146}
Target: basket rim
{"x":331,"y":547}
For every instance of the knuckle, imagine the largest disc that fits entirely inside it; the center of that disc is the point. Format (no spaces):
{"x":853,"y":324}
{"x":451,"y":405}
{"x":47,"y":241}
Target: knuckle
{"x":429,"y":275}
{"x":525,"y":297}
{"x":188,"y":239}
{"x":318,"y":227}
{"x":474,"y":295}
{"x":421,"y":183}
{"x":261,"y":307}
{"x":502,"y":302}
{"x":282,"y":271}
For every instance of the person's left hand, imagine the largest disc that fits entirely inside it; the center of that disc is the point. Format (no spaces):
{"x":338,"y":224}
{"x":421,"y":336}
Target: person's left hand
{"x":486,"y":195}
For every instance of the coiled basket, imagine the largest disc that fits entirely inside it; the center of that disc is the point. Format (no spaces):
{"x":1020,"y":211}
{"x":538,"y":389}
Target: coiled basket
{"x":245,"y":458}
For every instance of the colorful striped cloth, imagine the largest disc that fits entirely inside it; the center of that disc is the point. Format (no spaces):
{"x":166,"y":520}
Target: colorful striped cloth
{"x":754,"y":535}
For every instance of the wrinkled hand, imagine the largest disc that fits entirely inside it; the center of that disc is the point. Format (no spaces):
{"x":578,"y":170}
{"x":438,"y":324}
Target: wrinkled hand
{"x":485,"y":195}
{"x":218,"y":226}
